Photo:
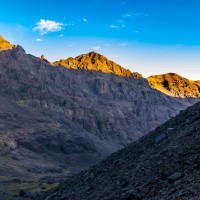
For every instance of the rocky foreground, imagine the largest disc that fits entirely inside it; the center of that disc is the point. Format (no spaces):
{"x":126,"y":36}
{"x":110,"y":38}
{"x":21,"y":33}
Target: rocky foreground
{"x":164,"y":164}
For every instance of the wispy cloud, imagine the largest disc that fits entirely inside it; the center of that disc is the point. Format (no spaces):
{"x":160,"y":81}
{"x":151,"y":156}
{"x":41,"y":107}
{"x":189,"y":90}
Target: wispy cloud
{"x":121,"y":25}
{"x":126,"y":15}
{"x":39,"y":40}
{"x":48,"y":26}
{"x":114,"y":26}
{"x":134,"y":15}
{"x":121,"y":21}
{"x":85,"y":20}
{"x":136,"y":31}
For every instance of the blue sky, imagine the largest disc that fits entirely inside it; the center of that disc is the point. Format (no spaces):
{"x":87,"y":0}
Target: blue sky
{"x":151,"y":37}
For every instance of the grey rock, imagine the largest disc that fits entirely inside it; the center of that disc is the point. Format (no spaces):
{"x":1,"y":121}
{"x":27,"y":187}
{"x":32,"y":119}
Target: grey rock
{"x":174,"y":177}
{"x":153,"y":171}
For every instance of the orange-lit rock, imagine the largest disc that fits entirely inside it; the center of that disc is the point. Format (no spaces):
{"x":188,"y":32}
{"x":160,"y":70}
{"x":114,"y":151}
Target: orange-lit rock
{"x":5,"y":44}
{"x":174,"y":85}
{"x":98,"y":62}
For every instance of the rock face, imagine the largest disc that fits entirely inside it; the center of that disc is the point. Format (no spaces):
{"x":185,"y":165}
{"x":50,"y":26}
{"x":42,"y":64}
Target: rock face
{"x":5,"y":44}
{"x":175,"y":85}
{"x":64,"y":120}
{"x":97,"y":62}
{"x":164,"y":164}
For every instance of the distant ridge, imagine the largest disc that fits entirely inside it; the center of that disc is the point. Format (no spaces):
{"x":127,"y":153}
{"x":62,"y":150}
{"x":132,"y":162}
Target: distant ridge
{"x":170,"y":84}
{"x":174,"y":85}
{"x":98,"y":62}
{"x":4,"y":44}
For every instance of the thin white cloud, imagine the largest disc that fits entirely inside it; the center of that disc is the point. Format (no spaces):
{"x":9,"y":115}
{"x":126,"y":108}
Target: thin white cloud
{"x":134,"y":15}
{"x":121,"y":21}
{"x":96,"y":48}
{"x":48,"y":26}
{"x":39,"y":40}
{"x":114,"y":26}
{"x":126,"y":15}
{"x":61,"y":35}
{"x":85,"y":20}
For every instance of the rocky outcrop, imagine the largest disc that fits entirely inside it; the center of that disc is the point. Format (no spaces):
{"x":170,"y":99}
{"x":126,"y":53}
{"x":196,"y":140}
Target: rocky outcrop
{"x":174,"y":85}
{"x":162,"y":165}
{"x":97,"y":62}
{"x":5,"y":44}
{"x":197,"y":82}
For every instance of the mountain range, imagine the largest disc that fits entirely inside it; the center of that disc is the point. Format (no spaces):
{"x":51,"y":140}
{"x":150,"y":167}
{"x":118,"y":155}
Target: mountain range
{"x":170,"y":84}
{"x":59,"y":118}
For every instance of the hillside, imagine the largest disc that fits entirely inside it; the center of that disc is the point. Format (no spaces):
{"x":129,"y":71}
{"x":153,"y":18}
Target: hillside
{"x":97,"y":62}
{"x":174,"y":85}
{"x":56,"y":121}
{"x":162,"y":165}
{"x":91,"y":114}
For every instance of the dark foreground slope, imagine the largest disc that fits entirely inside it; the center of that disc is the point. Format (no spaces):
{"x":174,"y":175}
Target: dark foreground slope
{"x":165,"y":164}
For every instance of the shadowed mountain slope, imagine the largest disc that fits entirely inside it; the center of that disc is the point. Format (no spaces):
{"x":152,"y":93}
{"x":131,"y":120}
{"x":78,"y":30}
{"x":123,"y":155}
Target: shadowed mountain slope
{"x":175,"y":85}
{"x":162,"y":165}
{"x":72,"y":118}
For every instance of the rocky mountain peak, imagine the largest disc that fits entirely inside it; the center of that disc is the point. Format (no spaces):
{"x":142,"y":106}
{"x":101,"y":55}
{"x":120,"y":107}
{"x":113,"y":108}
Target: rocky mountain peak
{"x":97,"y":62}
{"x":92,"y":55}
{"x":4,"y":44}
{"x":174,"y":85}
